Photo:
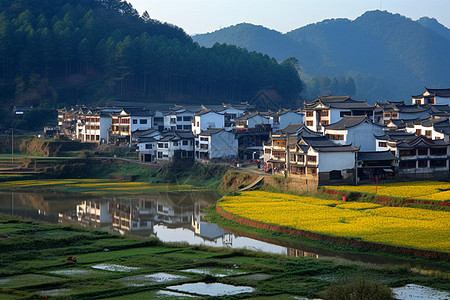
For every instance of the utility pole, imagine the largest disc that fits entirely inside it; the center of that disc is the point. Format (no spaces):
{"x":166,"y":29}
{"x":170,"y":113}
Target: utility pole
{"x":12,"y":146}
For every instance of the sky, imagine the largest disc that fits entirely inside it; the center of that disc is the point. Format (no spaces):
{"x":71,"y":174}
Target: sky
{"x":201,"y":16}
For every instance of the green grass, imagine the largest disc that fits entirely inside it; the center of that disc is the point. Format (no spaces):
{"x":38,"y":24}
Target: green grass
{"x":26,"y":266}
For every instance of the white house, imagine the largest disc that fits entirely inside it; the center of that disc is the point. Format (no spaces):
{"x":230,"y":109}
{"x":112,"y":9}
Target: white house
{"x":282,"y":118}
{"x":432,"y":128}
{"x":175,"y":145}
{"x":319,"y":159}
{"x":326,"y":110}
{"x":180,"y":118}
{"x":128,"y":121}
{"x":148,"y":145}
{"x":216,"y":144}
{"x":253,"y":120}
{"x":207,"y":119}
{"x":358,"y":131}
{"x":433,"y":97}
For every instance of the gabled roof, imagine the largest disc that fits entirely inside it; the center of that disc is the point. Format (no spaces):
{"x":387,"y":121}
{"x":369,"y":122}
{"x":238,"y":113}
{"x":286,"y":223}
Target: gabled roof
{"x":396,"y":136}
{"x":250,"y":115}
{"x":320,"y":141}
{"x":444,"y":93}
{"x":337,"y":102}
{"x":211,"y":131}
{"x":176,"y":136}
{"x":349,"y":122}
{"x":375,"y":155}
{"x":422,"y":141}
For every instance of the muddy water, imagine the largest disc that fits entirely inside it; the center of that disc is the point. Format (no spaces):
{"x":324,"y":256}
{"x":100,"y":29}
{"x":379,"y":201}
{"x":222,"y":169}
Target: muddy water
{"x":169,"y":216}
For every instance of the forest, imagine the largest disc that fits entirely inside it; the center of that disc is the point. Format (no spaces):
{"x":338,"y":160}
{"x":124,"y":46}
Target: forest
{"x":66,"y":52}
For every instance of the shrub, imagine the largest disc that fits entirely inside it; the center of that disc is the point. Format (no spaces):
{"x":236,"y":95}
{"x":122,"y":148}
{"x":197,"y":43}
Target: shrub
{"x":358,"y":289}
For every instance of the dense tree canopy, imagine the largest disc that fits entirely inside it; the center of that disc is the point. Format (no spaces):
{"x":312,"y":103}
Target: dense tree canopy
{"x":79,"y":51}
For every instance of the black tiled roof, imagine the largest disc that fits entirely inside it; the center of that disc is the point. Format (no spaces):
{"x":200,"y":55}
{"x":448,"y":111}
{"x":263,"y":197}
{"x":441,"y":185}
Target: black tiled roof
{"x":338,"y":102}
{"x":375,"y":155}
{"x":211,"y":131}
{"x":347,"y":122}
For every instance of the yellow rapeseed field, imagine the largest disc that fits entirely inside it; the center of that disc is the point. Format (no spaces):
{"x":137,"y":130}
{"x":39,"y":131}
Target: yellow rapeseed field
{"x":401,"y":226}
{"x":427,"y":190}
{"x":91,"y":186}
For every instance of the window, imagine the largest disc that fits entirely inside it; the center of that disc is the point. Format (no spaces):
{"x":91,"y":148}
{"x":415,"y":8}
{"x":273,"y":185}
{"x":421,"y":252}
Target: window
{"x":438,"y":151}
{"x":158,"y":120}
{"x":185,"y":143}
{"x":179,"y":119}
{"x":325,"y":122}
{"x":179,"y":127}
{"x":382,"y":144}
{"x":336,"y":137}
{"x":148,"y":146}
{"x":311,"y":159}
{"x":411,"y":164}
{"x":204,"y":139}
{"x":438,"y":163}
{"x":143,"y":121}
{"x":324,"y":113}
{"x":387,"y":115}
{"x":135,"y":121}
{"x":173,"y":120}
{"x":407,"y":152}
{"x":160,"y":145}
{"x":166,"y":145}
{"x":175,"y":144}
{"x":310,"y":113}
{"x":309,"y":123}
{"x":422,"y":151}
{"x":159,"y":154}
{"x":428,"y":133}
{"x":394,"y":115}
{"x":198,"y":124}
{"x":418,"y":131}
{"x":186,"y":118}
{"x":268,"y":151}
{"x":312,"y":171}
{"x":423,"y":163}
{"x":187,"y":127}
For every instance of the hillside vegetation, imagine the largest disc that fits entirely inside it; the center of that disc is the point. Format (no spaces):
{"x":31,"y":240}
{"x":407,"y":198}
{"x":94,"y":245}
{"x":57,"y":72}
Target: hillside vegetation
{"x":55,"y":53}
{"x":387,"y":55}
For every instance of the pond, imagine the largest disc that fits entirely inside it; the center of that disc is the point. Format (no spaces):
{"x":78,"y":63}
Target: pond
{"x":169,"y":216}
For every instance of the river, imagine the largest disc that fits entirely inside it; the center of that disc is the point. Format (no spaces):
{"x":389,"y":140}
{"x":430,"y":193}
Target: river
{"x":169,"y":216}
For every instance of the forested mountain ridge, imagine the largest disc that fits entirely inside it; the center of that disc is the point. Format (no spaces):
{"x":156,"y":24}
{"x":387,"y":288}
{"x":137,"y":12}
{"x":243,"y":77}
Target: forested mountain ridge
{"x":61,"y":52}
{"x":389,"y":56}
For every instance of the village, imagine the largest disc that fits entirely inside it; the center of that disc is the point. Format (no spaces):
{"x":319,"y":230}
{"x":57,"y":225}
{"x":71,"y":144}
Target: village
{"x":332,"y":140}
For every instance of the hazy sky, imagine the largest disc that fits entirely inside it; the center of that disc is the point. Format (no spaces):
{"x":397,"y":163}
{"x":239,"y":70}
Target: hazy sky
{"x":200,"y":16}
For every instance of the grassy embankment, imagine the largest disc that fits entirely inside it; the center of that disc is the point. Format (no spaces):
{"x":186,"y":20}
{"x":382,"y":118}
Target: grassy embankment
{"x":34,"y":264}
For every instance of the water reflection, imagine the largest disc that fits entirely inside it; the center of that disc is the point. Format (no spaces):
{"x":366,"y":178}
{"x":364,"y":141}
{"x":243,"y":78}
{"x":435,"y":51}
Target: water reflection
{"x":170,"y":216}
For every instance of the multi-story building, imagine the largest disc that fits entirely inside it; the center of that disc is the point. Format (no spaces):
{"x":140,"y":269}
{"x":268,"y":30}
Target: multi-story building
{"x":358,"y":131}
{"x":216,"y":144}
{"x":174,"y":146}
{"x":432,"y":97}
{"x":326,"y":110}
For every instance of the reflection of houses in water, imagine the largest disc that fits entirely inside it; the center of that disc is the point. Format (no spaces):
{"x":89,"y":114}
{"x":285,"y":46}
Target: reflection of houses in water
{"x":206,"y":231}
{"x":300,"y":253}
{"x":93,"y":212}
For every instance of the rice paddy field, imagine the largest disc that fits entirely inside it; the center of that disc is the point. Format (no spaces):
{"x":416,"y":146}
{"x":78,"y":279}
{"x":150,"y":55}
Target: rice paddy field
{"x":426,"y":190}
{"x":399,"y":226}
{"x":39,"y":261}
{"x":92,"y":186}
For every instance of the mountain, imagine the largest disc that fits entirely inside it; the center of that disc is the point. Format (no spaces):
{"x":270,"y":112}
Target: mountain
{"x":388,"y":55}
{"x":65,"y":52}
{"x":434,"y":25}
